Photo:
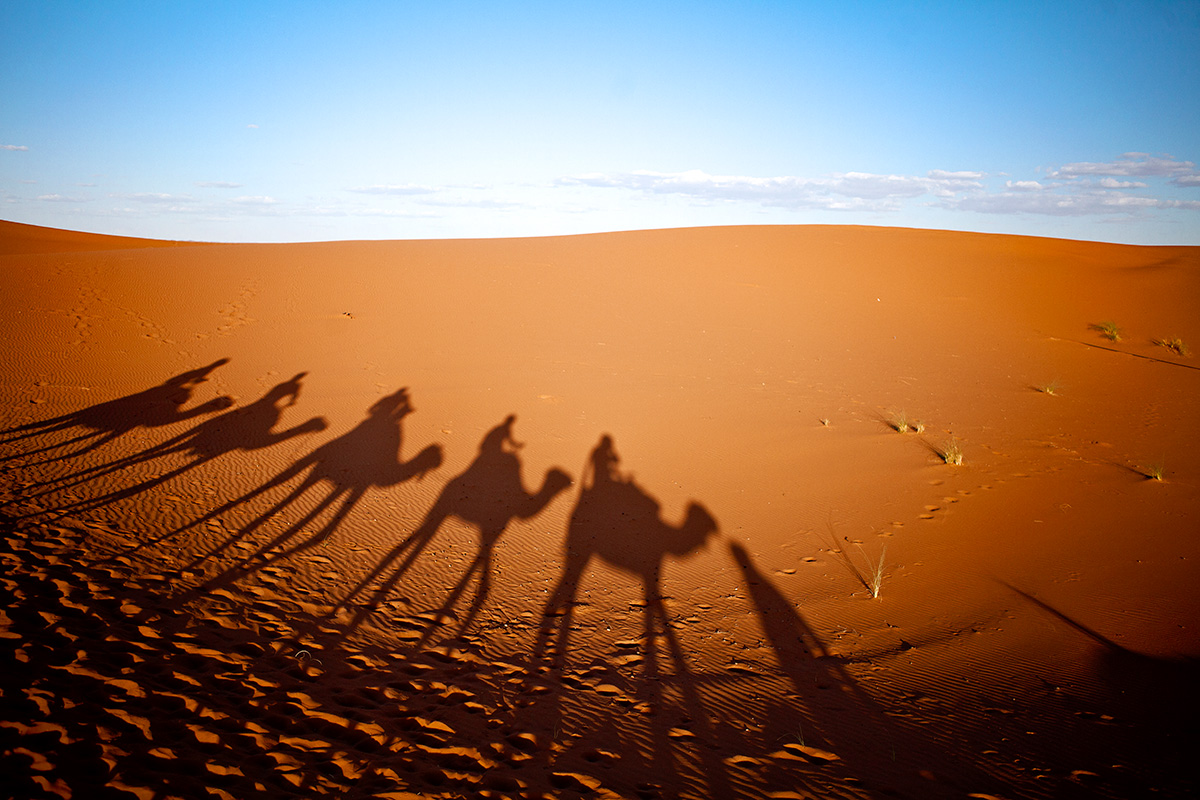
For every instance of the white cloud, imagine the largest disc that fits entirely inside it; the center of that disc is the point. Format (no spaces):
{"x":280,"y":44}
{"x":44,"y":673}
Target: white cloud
{"x":218,"y":185}
{"x":61,"y":198}
{"x":156,"y":197}
{"x":1060,"y":204}
{"x":850,"y":190}
{"x":395,"y":189}
{"x":1080,"y":189}
{"x":493,"y":203}
{"x":255,"y":200}
{"x":13,"y":147}
{"x":1113,"y":183}
{"x":1128,"y":165}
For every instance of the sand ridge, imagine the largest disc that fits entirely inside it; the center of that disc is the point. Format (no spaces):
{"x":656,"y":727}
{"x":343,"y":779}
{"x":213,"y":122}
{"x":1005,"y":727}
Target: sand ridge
{"x":600,"y":516}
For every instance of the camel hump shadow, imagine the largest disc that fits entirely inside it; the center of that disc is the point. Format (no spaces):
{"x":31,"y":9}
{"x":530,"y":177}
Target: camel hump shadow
{"x":368,"y":455}
{"x":491,"y":493}
{"x":618,"y":522}
{"x":621,"y":523}
{"x":488,"y":495}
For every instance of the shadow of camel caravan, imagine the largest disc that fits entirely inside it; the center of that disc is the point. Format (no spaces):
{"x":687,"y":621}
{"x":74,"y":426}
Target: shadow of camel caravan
{"x":618,"y":522}
{"x":247,"y":428}
{"x":155,"y":407}
{"x":489,"y":495}
{"x":365,"y":458}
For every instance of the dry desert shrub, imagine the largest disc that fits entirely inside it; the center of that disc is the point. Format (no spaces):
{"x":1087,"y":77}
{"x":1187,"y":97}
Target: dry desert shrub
{"x":899,"y":421}
{"x":1175,"y":345}
{"x":951,"y":453}
{"x":875,"y":572}
{"x":1155,"y":470}
{"x":1108,"y":330}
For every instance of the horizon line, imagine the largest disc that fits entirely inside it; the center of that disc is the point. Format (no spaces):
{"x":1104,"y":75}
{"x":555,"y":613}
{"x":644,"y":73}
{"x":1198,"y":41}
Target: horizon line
{"x":615,"y":231}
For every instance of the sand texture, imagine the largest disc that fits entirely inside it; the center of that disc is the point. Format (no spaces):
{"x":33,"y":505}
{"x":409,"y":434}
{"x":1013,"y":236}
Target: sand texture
{"x":661,"y":514}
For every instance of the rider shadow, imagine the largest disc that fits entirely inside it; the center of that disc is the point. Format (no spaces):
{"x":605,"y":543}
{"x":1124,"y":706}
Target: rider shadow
{"x":247,"y":428}
{"x":618,"y":522}
{"x":489,"y":495}
{"x":152,"y":408}
{"x":364,"y":458}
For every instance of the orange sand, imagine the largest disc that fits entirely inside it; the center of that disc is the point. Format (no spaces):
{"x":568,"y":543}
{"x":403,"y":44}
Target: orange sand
{"x":294,"y":520}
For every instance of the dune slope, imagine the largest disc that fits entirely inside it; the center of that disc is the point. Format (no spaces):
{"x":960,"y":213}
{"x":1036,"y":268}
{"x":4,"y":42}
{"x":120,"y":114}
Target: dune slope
{"x":649,"y":514}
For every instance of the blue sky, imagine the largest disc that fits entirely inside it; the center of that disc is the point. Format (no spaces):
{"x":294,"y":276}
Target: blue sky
{"x":300,"y":121}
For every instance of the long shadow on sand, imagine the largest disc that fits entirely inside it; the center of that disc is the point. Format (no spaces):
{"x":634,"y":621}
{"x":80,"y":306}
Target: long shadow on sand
{"x":489,"y":495}
{"x":617,"y":521}
{"x":366,"y":457}
{"x":99,"y":424}
{"x":1132,"y":687}
{"x":248,"y":428}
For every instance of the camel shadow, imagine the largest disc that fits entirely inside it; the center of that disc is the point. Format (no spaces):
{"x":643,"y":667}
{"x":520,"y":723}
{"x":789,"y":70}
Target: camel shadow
{"x":489,"y":495}
{"x":248,"y":428}
{"x":616,"y":521}
{"x":367,"y":457}
{"x":155,"y":407}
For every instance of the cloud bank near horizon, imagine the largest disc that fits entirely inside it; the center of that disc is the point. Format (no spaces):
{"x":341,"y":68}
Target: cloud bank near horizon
{"x":1135,"y":187}
{"x":1076,"y":189}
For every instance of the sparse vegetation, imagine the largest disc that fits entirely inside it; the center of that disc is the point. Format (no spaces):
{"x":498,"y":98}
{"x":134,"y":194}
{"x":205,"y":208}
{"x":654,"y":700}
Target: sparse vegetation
{"x":875,"y":572}
{"x":951,"y":453}
{"x":825,"y":422}
{"x":1051,"y":388}
{"x":871,"y":577}
{"x":899,"y":421}
{"x":1155,"y":470}
{"x":1175,"y":345}
{"x":1108,"y":330}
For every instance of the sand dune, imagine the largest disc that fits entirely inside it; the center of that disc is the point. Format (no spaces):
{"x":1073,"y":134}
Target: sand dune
{"x":599,"y":516}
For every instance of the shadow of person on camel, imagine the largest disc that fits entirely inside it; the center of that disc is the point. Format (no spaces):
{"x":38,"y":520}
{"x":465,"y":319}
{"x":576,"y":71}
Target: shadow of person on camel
{"x":151,"y":408}
{"x":489,"y":494}
{"x":247,"y":428}
{"x":367,"y":457}
{"x":617,"y":521}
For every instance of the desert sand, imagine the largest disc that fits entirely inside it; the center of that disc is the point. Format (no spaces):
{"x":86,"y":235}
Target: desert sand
{"x":656,"y":514}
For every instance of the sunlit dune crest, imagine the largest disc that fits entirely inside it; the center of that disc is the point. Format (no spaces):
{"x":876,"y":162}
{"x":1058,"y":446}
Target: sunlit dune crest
{"x":741,"y":512}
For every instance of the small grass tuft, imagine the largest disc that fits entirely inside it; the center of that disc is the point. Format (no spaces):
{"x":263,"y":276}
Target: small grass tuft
{"x":1155,"y":470}
{"x":1108,"y":330}
{"x":824,"y":422}
{"x":952,"y":453}
{"x":875,"y":577}
{"x":1175,"y":345}
{"x":899,"y":422}
{"x":1052,"y":388}
{"x":875,"y":572}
